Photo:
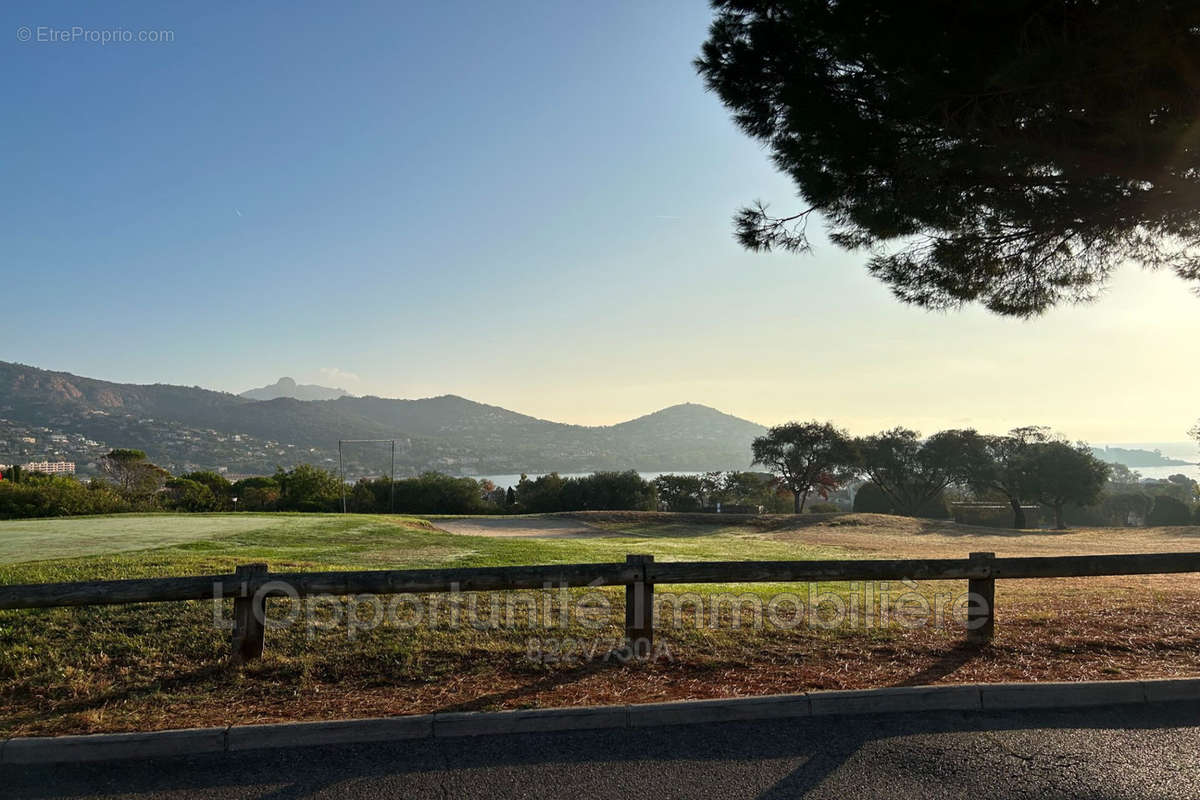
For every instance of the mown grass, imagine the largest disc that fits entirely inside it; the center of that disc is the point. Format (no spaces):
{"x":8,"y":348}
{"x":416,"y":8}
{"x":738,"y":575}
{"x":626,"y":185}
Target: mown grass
{"x":166,"y":665}
{"x":42,"y":539}
{"x":94,"y":668}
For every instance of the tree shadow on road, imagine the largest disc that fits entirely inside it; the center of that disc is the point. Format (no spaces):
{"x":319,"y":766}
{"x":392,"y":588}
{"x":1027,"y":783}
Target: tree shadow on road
{"x":765,"y":759}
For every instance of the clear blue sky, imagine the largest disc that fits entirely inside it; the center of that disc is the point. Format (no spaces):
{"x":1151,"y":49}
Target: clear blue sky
{"x":526,"y":204}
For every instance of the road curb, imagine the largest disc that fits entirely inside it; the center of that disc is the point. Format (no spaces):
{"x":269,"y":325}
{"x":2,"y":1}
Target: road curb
{"x":113,"y":746}
{"x":897,"y":699}
{"x":693,"y":712}
{"x":1168,"y":690}
{"x":892,"y":700}
{"x":1002,"y":697}
{"x":348,"y":731}
{"x":540,"y":720}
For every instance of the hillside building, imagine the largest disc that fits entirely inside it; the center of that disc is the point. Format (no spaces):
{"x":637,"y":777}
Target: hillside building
{"x":50,"y":467}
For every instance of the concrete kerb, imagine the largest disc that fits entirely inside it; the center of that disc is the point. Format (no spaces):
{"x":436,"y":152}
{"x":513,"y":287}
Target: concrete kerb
{"x":473,"y":723}
{"x":897,"y":699}
{"x":914,"y":699}
{"x":693,"y":712}
{"x":111,"y":746}
{"x":1169,"y":690}
{"x":1001,"y":697}
{"x":348,"y":731}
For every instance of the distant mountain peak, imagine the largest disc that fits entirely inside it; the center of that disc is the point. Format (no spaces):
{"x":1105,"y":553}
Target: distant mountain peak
{"x":185,"y":428}
{"x":287,"y":387}
{"x":690,"y":411}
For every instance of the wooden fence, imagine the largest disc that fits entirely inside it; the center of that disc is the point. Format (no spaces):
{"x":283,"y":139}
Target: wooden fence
{"x":252,"y":584}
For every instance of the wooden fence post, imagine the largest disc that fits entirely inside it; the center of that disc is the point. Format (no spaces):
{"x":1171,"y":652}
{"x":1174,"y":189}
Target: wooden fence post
{"x":981,"y":608}
{"x":639,"y":610}
{"x":249,"y":616}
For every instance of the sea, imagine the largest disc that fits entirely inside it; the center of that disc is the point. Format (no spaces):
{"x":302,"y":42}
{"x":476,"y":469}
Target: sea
{"x":1182,"y":451}
{"x":514,"y":479}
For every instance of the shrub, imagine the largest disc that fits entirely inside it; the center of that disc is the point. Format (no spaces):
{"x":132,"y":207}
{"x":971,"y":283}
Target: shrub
{"x":217,"y":483}
{"x":256,"y":494}
{"x":308,"y":488}
{"x":600,"y":491}
{"x":870,"y":499}
{"x":57,"y":496}
{"x":679,"y":492}
{"x":1169,"y":511}
{"x":1122,"y":508}
{"x":433,"y":493}
{"x":183,"y":494}
{"x":822,"y":508}
{"x":1091,"y":516}
{"x":935,"y":508}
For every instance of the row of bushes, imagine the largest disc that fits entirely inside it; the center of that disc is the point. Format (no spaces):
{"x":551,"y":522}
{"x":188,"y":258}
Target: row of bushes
{"x":54,"y":496}
{"x":1152,"y":505}
{"x":743,"y":491}
{"x":308,"y":488}
{"x":311,"y":489}
{"x":434,"y":493}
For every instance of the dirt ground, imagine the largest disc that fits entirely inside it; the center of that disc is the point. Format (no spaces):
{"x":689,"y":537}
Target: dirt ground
{"x":874,"y":534}
{"x":918,"y":538}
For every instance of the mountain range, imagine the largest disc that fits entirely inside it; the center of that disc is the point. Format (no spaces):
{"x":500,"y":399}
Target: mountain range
{"x":45,"y":414}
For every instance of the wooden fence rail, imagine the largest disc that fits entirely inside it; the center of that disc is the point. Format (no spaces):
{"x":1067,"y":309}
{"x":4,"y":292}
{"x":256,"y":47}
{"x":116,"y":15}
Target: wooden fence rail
{"x":250,"y":585}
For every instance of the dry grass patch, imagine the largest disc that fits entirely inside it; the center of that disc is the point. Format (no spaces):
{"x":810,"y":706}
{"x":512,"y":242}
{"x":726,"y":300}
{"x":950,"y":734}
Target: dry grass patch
{"x":905,"y":537}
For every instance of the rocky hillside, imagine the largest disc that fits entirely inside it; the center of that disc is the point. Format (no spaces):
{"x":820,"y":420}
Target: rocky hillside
{"x":190,"y":427}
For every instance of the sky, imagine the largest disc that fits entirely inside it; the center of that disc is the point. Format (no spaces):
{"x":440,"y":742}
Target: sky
{"x":526,"y":204}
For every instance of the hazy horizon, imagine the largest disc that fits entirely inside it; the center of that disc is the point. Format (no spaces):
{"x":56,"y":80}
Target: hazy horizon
{"x":1183,"y":447}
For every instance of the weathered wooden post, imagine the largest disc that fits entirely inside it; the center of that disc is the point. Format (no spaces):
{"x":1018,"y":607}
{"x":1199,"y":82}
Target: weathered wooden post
{"x":639,"y":609}
{"x":981,"y":608}
{"x":249,"y":614}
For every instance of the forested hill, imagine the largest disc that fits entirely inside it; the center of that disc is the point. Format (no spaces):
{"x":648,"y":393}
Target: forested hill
{"x":1136,"y":457}
{"x":75,"y":418}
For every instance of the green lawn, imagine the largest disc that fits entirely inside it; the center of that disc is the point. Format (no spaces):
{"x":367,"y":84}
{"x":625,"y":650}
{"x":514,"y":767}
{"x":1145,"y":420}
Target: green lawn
{"x":42,"y":539}
{"x":179,"y":544}
{"x":97,"y":668}
{"x":162,"y":665}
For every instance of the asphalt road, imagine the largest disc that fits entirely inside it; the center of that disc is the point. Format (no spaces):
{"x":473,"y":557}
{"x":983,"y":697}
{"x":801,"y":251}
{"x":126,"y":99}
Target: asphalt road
{"x":1133,"y":752}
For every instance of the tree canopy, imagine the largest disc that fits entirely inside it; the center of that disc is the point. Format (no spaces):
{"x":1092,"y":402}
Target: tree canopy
{"x":807,"y":457}
{"x":1060,"y":473}
{"x":680,"y":492}
{"x":1168,"y":510}
{"x":911,"y":472}
{"x":1011,"y":153}
{"x":132,"y":473}
{"x":1004,"y":468}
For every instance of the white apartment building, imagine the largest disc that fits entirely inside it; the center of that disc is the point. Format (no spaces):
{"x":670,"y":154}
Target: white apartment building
{"x":50,"y":467}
